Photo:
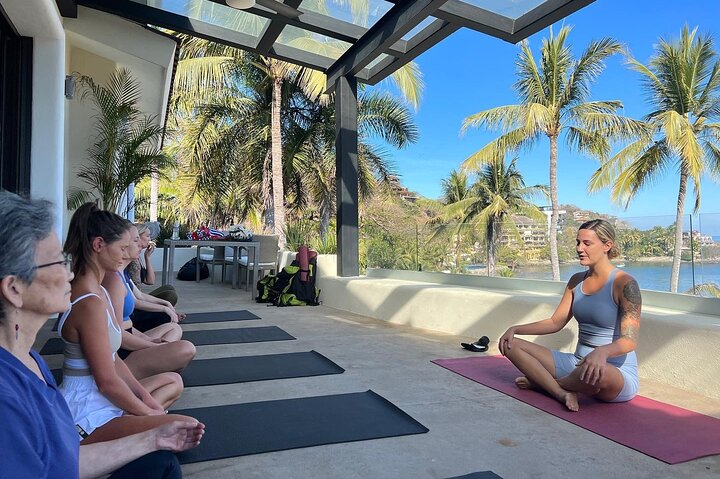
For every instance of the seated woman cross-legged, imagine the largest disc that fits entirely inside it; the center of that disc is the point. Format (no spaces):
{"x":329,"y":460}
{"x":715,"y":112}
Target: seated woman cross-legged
{"x":156,"y":308}
{"x":606,"y":303}
{"x":140,"y":274}
{"x":157,"y":350}
{"x":105,"y":399}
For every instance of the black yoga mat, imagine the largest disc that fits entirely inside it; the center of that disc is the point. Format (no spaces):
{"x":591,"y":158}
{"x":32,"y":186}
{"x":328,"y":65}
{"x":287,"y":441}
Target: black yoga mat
{"x":214,"y":317}
{"x":207,"y":337}
{"x":252,"y":428}
{"x":244,"y":369}
{"x":236,"y":335}
{"x":207,"y":372}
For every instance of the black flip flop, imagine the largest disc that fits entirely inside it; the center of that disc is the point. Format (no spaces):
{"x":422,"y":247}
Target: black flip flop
{"x":480,"y":346}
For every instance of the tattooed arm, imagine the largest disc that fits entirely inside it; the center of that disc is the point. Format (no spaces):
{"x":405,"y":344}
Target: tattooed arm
{"x":629,"y":301}
{"x":629,"y":310}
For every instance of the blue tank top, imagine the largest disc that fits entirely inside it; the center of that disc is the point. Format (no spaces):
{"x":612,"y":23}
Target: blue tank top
{"x":129,"y":303}
{"x":598,"y":320}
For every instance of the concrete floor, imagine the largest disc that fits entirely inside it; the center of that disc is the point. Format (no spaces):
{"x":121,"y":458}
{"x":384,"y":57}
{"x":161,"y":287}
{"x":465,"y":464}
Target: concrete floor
{"x":472,"y":428}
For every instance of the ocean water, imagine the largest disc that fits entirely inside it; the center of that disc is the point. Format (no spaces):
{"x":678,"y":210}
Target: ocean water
{"x":654,"y":276}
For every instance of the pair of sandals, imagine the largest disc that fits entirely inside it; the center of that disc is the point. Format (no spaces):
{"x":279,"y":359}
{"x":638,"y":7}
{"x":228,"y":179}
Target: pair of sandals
{"x":479,"y":346}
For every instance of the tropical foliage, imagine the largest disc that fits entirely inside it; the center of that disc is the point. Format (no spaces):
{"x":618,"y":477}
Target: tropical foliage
{"x":126,"y":144}
{"x":498,"y":193}
{"x":682,"y":133}
{"x":256,"y":138}
{"x":554,"y":97}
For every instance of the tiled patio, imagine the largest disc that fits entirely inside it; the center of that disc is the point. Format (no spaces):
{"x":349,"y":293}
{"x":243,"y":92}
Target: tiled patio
{"x":472,"y":428}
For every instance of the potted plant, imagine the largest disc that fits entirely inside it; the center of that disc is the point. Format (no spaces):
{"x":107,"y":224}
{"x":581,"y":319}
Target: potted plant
{"x":126,"y":144}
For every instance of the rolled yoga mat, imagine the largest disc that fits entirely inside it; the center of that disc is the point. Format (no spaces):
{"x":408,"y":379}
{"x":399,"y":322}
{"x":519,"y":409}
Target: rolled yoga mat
{"x":206,"y":337}
{"x":243,"y":369}
{"x":214,"y":317}
{"x":478,"y":475}
{"x":252,"y":428}
{"x":207,"y":372}
{"x":665,"y":432}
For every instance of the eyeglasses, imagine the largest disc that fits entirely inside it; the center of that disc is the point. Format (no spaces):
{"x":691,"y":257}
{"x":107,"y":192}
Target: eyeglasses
{"x":66,"y":261}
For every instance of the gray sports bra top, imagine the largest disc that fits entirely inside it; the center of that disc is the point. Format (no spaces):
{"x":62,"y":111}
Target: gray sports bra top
{"x":597,"y":314}
{"x":74,"y":363}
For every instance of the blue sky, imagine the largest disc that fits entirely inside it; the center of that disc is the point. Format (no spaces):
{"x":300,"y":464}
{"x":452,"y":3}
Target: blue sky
{"x":470,"y":72}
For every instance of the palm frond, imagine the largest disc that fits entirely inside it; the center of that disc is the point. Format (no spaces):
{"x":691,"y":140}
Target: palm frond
{"x":385,"y":117}
{"x":510,"y":142}
{"x":612,"y":167}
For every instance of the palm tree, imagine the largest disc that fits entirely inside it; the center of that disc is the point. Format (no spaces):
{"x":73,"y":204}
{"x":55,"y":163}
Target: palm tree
{"x":706,"y":290}
{"x":554,"y":100}
{"x":454,"y":189}
{"x":217,"y":60}
{"x":682,"y":131}
{"x":228,"y":144}
{"x":312,"y":172}
{"x":498,"y":193}
{"x":125,"y":148}
{"x":225,"y":142}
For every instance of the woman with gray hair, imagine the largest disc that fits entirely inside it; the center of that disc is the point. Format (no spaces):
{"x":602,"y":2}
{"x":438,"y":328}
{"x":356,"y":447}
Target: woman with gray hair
{"x":38,"y":437}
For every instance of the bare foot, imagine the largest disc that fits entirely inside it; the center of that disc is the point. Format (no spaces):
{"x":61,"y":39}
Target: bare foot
{"x":570,"y":400}
{"x":523,"y":383}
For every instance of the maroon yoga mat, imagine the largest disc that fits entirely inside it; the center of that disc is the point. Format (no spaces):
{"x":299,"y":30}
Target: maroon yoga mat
{"x":668,"y":433}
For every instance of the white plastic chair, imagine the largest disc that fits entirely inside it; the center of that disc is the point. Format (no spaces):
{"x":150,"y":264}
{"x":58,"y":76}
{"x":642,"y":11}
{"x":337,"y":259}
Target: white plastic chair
{"x":268,"y":254}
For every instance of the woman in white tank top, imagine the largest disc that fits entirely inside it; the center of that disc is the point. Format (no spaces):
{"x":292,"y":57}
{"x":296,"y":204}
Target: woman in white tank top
{"x":110,"y":402}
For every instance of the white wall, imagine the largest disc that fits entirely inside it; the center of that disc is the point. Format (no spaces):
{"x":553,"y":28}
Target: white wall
{"x":98,"y":43}
{"x":80,"y":114}
{"x":679,"y":338}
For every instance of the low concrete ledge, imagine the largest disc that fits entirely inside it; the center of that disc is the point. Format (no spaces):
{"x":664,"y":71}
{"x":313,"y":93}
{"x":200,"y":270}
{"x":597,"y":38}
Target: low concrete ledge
{"x":678,"y":345}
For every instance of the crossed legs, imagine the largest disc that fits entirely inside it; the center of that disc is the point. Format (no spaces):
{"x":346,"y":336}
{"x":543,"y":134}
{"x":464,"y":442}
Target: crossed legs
{"x":169,"y":332}
{"x":166,"y":388}
{"x":158,"y":359}
{"x":537,"y":364}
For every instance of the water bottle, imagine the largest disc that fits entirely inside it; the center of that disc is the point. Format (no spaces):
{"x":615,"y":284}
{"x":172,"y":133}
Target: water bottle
{"x":176,"y":231}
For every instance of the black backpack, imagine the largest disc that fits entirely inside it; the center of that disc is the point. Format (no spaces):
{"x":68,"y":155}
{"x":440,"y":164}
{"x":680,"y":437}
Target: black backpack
{"x":188,"y":271}
{"x":286,"y":289}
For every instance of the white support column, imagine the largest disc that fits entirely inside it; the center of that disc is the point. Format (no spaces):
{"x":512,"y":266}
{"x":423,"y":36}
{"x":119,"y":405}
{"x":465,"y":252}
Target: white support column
{"x":130,"y":205}
{"x":48,"y":125}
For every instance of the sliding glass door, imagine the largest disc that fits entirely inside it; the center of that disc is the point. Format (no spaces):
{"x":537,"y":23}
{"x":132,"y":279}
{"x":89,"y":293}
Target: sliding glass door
{"x":15,"y":108}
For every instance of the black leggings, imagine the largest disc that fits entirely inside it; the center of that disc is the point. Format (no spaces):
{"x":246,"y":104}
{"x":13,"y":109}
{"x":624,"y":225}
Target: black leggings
{"x":146,"y":320}
{"x":156,"y":465}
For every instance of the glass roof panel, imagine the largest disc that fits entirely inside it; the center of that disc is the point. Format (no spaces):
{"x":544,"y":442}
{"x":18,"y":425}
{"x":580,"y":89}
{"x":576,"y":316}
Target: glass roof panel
{"x":312,"y":42}
{"x":314,"y":35}
{"x":213,"y":13}
{"x":377,"y":60}
{"x":420,"y":26}
{"x":366,"y":13}
{"x":507,"y":8}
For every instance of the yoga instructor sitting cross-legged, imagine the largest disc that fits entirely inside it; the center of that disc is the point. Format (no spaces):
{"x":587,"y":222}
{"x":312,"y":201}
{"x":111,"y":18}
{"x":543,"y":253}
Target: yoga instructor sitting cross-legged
{"x":606,"y":303}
